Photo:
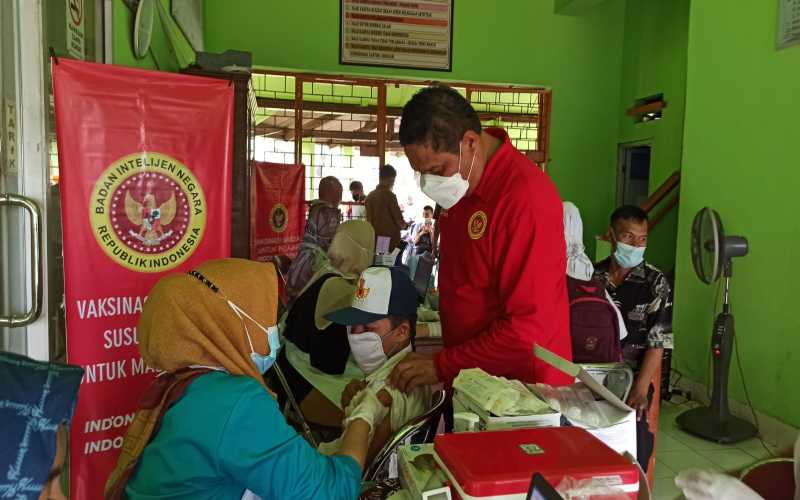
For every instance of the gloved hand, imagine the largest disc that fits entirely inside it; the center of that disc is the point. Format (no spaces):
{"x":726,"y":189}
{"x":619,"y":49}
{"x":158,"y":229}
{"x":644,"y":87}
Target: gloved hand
{"x":706,"y":485}
{"x":367,"y":407}
{"x":353,"y":388}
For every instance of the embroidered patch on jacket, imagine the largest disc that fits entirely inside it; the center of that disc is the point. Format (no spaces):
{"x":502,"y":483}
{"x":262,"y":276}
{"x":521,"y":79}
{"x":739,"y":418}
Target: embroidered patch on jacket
{"x":477,"y":225}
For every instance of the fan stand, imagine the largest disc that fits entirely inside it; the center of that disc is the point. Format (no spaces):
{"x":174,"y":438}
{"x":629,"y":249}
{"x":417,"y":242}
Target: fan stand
{"x":715,"y":422}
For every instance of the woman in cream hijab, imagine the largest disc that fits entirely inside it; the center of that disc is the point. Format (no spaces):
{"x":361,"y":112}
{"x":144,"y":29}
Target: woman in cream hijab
{"x":208,"y":427}
{"x":351,"y":251}
{"x":315,"y":360}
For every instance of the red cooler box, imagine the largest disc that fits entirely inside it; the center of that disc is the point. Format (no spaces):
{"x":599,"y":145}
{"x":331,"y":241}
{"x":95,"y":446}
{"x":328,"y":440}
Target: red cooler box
{"x":499,"y":464}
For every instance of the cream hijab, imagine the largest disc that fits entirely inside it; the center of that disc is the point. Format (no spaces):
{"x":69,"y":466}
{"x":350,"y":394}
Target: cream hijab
{"x":352,"y":250}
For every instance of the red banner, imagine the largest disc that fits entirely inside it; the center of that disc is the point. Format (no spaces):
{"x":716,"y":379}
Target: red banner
{"x":145,"y":169}
{"x":278,"y":215}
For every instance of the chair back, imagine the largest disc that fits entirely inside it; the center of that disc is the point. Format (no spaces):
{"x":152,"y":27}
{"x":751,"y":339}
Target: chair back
{"x":293,"y":406}
{"x":282,"y":264}
{"x":422,"y":427}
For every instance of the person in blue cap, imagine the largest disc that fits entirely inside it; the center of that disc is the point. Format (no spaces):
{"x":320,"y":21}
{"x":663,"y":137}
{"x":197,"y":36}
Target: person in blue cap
{"x":381,"y":321}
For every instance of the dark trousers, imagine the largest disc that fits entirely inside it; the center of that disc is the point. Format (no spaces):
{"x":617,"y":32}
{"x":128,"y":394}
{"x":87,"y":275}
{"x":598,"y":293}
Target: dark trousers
{"x":645,"y":439}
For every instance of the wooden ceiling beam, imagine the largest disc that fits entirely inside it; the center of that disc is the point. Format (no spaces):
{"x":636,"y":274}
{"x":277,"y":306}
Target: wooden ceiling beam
{"x":312,"y":124}
{"x":391,"y":111}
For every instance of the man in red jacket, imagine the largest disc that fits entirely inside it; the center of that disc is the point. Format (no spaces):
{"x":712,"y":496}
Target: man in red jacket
{"x":503,"y":256}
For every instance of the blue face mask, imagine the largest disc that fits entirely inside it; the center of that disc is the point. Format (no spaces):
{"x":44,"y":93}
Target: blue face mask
{"x":629,"y":256}
{"x":263,"y":362}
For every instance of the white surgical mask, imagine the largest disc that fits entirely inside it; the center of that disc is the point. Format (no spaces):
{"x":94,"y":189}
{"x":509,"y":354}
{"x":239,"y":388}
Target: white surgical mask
{"x":447,"y":191}
{"x":367,"y":349}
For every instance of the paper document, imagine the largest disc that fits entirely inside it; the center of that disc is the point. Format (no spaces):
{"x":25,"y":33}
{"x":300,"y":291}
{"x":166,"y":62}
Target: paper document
{"x":619,"y":437}
{"x":498,"y":395}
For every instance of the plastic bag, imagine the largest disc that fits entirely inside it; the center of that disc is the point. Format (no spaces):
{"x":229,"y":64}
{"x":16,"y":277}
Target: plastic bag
{"x":576,"y":402}
{"x":708,"y":485}
{"x":589,"y":489}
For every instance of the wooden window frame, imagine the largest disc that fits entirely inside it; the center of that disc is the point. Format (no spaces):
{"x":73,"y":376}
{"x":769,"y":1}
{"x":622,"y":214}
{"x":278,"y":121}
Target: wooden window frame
{"x":384,"y":112}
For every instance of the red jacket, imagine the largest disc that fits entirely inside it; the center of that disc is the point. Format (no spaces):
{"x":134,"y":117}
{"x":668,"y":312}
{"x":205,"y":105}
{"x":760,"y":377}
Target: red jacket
{"x":502,"y":280}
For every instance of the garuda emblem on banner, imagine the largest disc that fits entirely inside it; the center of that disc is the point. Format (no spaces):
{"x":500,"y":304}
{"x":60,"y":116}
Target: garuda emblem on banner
{"x":148,"y":212}
{"x":151,"y":218}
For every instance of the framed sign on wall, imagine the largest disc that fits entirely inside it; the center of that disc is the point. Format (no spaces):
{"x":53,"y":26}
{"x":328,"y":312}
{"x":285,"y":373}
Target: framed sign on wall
{"x":397,"y":33}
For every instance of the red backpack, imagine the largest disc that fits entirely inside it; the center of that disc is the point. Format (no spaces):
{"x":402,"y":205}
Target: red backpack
{"x":593,"y":323}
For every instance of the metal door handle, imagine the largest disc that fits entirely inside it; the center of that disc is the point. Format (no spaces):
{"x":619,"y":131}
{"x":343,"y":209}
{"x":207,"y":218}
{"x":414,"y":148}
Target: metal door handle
{"x":35,"y":311}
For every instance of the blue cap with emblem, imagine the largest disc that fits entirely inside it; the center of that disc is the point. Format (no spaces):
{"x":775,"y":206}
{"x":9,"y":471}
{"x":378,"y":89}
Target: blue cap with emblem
{"x":381,"y":292}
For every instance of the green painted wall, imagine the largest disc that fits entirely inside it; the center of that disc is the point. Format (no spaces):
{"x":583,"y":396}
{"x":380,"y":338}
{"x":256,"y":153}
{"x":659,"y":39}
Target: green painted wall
{"x":163,"y":50}
{"x":575,"y":7}
{"x":740,"y":158}
{"x":523,"y":42}
{"x":654,"y":62}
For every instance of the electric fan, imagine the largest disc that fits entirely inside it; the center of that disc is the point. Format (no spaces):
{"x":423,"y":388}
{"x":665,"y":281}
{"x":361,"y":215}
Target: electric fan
{"x":143,"y":28}
{"x":712,"y":252}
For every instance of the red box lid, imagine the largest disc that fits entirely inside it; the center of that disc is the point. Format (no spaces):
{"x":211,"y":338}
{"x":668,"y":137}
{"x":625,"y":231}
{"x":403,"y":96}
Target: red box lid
{"x":502,"y":462}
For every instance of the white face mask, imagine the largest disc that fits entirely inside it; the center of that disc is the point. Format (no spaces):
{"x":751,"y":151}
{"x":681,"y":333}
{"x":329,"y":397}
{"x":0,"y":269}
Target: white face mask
{"x":367,"y":349}
{"x":447,"y":191}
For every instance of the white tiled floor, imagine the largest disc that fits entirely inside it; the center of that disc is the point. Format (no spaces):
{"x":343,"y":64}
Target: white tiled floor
{"x":677,"y":451}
